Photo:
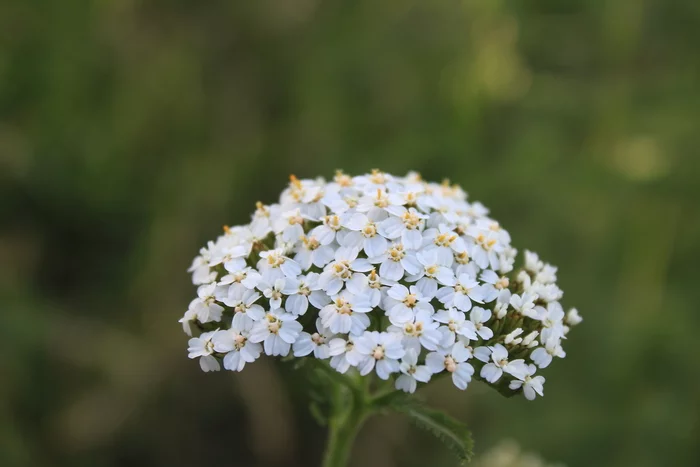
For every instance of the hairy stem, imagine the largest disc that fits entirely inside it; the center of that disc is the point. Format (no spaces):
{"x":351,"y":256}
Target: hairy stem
{"x":350,"y":408}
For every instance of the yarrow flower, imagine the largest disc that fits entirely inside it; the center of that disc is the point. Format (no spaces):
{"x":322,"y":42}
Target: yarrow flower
{"x":378,"y":274}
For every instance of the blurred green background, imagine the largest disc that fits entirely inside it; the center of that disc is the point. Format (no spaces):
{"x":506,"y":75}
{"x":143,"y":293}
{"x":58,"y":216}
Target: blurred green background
{"x":131,"y":131}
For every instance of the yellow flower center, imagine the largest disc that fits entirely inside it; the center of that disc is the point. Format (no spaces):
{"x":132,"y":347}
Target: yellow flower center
{"x":410,"y":300}
{"x":445,"y":239}
{"x":369,"y":230}
{"x":378,"y":352}
{"x":396,"y":252}
{"x":332,"y":222}
{"x":342,"y":306}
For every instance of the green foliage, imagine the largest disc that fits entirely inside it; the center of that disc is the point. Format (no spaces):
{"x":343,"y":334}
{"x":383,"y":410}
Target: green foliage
{"x":131,"y":131}
{"x":453,"y":433}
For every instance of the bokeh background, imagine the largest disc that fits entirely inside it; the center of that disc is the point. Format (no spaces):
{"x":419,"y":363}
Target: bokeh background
{"x":131,"y":131}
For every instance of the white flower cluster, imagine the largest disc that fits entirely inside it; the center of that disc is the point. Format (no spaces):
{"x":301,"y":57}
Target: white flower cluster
{"x":378,"y":273}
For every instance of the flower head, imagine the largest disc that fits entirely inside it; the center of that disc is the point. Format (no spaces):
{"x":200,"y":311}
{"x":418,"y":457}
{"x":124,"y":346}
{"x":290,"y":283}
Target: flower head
{"x":378,"y":274}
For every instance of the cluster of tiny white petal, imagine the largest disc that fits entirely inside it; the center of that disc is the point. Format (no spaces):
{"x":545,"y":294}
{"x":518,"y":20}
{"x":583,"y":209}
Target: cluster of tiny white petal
{"x":378,"y":273}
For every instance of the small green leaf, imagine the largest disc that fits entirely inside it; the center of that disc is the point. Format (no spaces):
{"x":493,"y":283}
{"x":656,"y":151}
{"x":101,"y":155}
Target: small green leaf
{"x":453,"y":433}
{"x":318,"y":414}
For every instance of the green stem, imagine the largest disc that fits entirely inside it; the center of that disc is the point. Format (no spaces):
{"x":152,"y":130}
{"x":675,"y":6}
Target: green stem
{"x":349,"y":413}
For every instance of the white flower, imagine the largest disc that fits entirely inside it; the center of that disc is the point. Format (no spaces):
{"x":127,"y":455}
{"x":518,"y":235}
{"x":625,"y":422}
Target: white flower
{"x":454,"y":360}
{"x":493,"y":285}
{"x":203,"y":347}
{"x":346,"y":313}
{"x":363,"y":235}
{"x":340,"y":270}
{"x":485,"y":248}
{"x":366,"y":286}
{"x":205,"y":306}
{"x":316,"y":342}
{"x":402,"y":303}
{"x":383,"y":349}
{"x":397,"y":261}
{"x":411,"y":372}
{"x":491,"y":372}
{"x":230,"y":256}
{"x":326,"y":232}
{"x":532,"y":385}
{"x":461,"y":295}
{"x":445,"y":242}
{"x":542,"y":356}
{"x":532,"y":262}
{"x":302,"y":291}
{"x":290,"y":225}
{"x":245,"y":310}
{"x":456,"y":323}
{"x":548,"y":275}
{"x":238,"y":349}
{"x":340,"y":349}
{"x":573,"y":318}
{"x":432,"y":273}
{"x":525,"y":305}
{"x":367,"y":258}
{"x":200,"y":268}
{"x":278,"y":331}
{"x":553,"y":318}
{"x":502,"y":304}
{"x":405,"y":224}
{"x":187,"y":320}
{"x":273,"y":291}
{"x":312,"y":252}
{"x":275,"y":260}
{"x":422,"y":330}
{"x":478,"y":317}
{"x":248,"y":277}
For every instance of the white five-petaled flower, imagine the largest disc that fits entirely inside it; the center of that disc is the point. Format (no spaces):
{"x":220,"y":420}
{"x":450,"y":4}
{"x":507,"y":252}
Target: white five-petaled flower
{"x":245,"y":310}
{"x":432,"y":273}
{"x":275,"y":260}
{"x":478,"y":316}
{"x":202,"y":347}
{"x":525,"y":305}
{"x":454,"y":360}
{"x":247,"y":276}
{"x":316,"y":342}
{"x":302,"y":291}
{"x":402,"y":303}
{"x":398,"y":261}
{"x":532,"y":385}
{"x":382,"y":349}
{"x":341,"y":269}
{"x":457,"y":324}
{"x":492,"y":371}
{"x":347,"y":313}
{"x":340,"y":349}
{"x":465,"y":290}
{"x":238,"y":349}
{"x":312,"y":252}
{"x":273,"y":291}
{"x":205,"y":306}
{"x":421,"y":331}
{"x":406,"y":225}
{"x":411,"y":372}
{"x":277,"y":331}
{"x":363,"y":235}
{"x":445,"y":242}
{"x":542,"y":356}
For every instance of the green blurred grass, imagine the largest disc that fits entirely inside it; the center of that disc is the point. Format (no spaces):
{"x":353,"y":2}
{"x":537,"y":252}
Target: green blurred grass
{"x":131,"y":131}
